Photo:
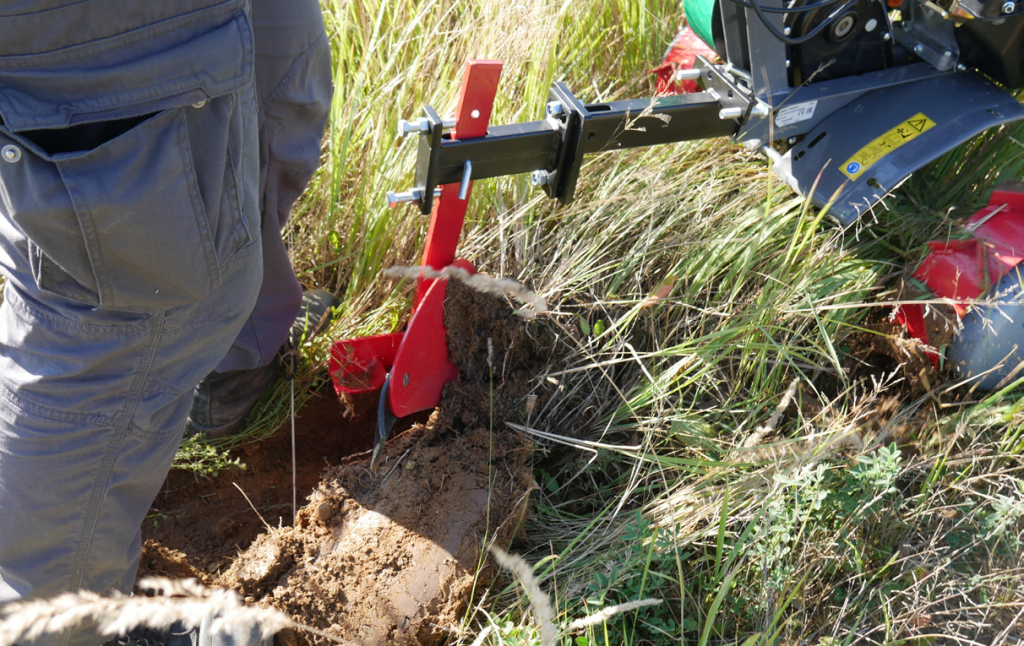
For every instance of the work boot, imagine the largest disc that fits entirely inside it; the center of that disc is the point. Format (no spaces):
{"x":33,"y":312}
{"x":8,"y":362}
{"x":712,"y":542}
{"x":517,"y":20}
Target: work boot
{"x":246,"y":634}
{"x":222,"y":400}
{"x":143,"y":636}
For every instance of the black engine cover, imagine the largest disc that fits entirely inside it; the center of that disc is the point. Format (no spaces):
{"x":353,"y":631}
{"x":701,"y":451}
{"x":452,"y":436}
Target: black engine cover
{"x":996,"y":47}
{"x":853,"y":43}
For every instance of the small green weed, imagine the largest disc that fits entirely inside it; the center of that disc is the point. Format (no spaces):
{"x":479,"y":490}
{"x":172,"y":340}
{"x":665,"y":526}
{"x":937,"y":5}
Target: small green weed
{"x":647,"y":568}
{"x":203,"y":459}
{"x":800,"y":499}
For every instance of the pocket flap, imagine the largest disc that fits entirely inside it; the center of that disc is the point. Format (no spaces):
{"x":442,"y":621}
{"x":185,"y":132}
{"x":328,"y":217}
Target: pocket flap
{"x":163,"y":63}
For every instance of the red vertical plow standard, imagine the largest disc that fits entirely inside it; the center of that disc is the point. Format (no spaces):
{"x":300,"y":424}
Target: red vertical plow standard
{"x":412,"y":367}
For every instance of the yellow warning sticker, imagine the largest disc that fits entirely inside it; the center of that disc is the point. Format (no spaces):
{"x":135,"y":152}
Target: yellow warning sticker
{"x":866,"y":157}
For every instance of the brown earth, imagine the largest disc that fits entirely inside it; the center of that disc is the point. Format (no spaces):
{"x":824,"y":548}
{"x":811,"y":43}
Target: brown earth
{"x":392,"y":555}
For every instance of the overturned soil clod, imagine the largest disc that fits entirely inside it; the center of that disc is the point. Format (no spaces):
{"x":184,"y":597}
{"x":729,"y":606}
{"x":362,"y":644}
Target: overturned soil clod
{"x":394,"y":555}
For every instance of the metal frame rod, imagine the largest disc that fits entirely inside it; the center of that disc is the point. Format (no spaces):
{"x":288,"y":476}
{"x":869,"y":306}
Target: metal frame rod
{"x":556,"y":144}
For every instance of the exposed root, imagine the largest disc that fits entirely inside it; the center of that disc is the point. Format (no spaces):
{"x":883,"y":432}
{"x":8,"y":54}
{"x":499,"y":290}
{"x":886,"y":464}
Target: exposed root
{"x":485,"y":284}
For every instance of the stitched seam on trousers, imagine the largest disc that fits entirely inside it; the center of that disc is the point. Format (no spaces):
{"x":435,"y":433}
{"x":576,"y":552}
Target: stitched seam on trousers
{"x":31,"y":407}
{"x":92,"y":517}
{"x":138,"y":432}
{"x":141,"y":379}
{"x":272,"y":119}
{"x":301,"y":58}
{"x":201,"y":323}
{"x":106,"y":470}
{"x":88,"y":226}
{"x":156,"y":386}
{"x":198,"y":212}
{"x":37,"y":313}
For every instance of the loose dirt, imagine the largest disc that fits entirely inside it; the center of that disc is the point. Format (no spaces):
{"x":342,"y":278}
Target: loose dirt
{"x":393,"y":555}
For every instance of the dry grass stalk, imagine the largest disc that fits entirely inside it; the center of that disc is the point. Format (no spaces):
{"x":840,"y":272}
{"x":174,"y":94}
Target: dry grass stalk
{"x":184,"y":602}
{"x":481,"y":283}
{"x":540,"y":602}
{"x":761,"y":431}
{"x":542,"y":605}
{"x":605,"y":614}
{"x":479,"y":641}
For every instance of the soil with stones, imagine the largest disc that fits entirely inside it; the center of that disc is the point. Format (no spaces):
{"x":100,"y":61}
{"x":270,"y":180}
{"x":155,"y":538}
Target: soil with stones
{"x":392,"y":555}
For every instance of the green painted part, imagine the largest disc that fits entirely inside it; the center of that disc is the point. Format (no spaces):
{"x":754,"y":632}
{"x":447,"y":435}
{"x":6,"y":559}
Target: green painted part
{"x":698,"y":15}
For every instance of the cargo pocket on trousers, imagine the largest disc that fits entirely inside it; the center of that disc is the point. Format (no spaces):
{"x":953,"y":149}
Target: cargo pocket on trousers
{"x":141,"y":217}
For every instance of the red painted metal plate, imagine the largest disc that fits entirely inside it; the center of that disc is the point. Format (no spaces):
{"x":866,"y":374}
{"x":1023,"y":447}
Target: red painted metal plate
{"x":681,"y":55}
{"x":360,"y":365}
{"x":422,"y":367}
{"x":418,"y":358}
{"x":963,"y":270}
{"x":472,"y":118}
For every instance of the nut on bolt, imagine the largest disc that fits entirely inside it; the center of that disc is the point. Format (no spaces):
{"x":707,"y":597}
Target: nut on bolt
{"x":554,"y":109}
{"x":415,"y":126}
{"x":761,"y":110}
{"x":420,"y":126}
{"x":540,"y":177}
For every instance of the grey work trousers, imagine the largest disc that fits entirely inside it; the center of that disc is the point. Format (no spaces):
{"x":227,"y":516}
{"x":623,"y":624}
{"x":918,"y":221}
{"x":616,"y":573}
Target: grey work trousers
{"x":140,"y":253}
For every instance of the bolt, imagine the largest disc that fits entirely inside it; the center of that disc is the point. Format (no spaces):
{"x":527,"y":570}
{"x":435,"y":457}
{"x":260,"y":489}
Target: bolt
{"x":946,"y":53}
{"x":405,"y":379}
{"x":786,"y":31}
{"x":412,"y":195}
{"x":1009,"y":6}
{"x":791,"y":141}
{"x":787,"y":63}
{"x":687,"y":75}
{"x":199,"y":104}
{"x":540,"y":177}
{"x":420,"y":126}
{"x":961,"y":67}
{"x":554,"y":109}
{"x":918,"y":49}
{"x":417,"y":126}
{"x":886,"y":36}
{"x":730,"y":113}
{"x":11,"y":154}
{"x":467,"y":175}
{"x":761,"y":109}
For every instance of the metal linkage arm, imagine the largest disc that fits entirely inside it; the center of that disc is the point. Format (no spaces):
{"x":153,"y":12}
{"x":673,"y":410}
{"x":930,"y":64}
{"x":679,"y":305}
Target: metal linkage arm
{"x":553,"y":148}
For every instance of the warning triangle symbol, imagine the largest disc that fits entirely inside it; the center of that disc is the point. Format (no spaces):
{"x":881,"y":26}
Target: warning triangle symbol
{"x":917,"y":124}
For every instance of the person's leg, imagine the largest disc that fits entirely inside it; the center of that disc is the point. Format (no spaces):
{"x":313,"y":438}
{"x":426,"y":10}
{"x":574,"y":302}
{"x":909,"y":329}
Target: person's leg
{"x":294,"y":88}
{"x":94,"y":399}
{"x":93,"y":412}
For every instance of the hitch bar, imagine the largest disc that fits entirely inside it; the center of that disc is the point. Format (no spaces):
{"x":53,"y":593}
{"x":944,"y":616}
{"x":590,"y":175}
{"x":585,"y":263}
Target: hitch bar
{"x":553,"y":148}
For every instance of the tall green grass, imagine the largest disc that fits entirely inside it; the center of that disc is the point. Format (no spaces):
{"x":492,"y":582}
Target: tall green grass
{"x":699,"y":295}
